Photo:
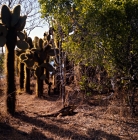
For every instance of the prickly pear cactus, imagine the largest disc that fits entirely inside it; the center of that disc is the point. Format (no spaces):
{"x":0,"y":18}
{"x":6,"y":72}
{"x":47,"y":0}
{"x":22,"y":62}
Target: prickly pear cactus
{"x":10,"y":28}
{"x":36,"y":59}
{"x":12,"y":24}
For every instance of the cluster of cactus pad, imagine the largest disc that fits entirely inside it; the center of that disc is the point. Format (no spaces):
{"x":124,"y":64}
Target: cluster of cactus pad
{"x":11,"y":20}
{"x":37,"y":59}
{"x":24,"y":72}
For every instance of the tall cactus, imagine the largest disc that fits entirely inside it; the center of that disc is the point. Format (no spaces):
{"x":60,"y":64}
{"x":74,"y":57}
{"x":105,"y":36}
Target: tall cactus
{"x":27,"y":70}
{"x":11,"y":27}
{"x":21,"y":67}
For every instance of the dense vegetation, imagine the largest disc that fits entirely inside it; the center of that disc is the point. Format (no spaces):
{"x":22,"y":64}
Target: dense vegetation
{"x":100,"y":35}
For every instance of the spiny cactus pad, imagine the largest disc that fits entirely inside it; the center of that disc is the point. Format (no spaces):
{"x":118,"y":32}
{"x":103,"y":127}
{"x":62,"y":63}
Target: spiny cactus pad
{"x":40,"y":43}
{"x":18,"y":52}
{"x":3,"y":30}
{"x":21,"y":35}
{"x":2,"y":41}
{"x":6,"y":15}
{"x":29,"y":63}
{"x":21,"y":23}
{"x":22,"y":45}
{"x":15,"y":15}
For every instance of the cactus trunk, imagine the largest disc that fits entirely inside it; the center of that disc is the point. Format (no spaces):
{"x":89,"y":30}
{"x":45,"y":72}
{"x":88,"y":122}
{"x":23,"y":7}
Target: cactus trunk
{"x":39,"y":87}
{"x":21,"y":69}
{"x":17,"y":65}
{"x":11,"y":88}
{"x":27,"y":80}
{"x":39,"y":84}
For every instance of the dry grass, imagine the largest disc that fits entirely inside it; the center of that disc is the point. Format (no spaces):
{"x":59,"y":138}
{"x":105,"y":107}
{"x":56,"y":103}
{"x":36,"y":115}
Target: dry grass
{"x":95,"y":120}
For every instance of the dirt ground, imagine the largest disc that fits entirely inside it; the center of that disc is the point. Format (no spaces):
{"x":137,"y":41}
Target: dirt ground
{"x":94,"y":119}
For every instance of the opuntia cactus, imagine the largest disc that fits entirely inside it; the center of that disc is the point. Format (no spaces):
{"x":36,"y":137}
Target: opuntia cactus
{"x":27,"y":70}
{"x":37,"y":60}
{"x":24,"y":78}
{"x":12,"y":25}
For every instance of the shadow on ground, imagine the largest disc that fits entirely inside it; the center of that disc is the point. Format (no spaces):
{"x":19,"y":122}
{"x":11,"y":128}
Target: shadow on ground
{"x":10,"y":133}
{"x":65,"y":133}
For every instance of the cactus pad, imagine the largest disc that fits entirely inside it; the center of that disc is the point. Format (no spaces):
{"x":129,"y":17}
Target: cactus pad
{"x":21,"y":23}
{"x":21,"y":35}
{"x":15,"y":15}
{"x":29,"y":63}
{"x":3,"y":30}
{"x":47,"y":48}
{"x":22,"y":45}
{"x":6,"y":15}
{"x":18,"y":52}
{"x":22,"y":57}
{"x":40,"y":43}
{"x":2,"y":41}
{"x":38,"y":72}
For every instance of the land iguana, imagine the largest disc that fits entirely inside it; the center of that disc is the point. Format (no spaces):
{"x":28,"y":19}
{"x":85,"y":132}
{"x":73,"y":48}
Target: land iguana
{"x":65,"y":111}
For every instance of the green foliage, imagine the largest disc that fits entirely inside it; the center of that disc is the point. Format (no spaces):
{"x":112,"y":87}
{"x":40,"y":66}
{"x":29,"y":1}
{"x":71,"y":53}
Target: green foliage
{"x":97,"y":33}
{"x":105,"y":32}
